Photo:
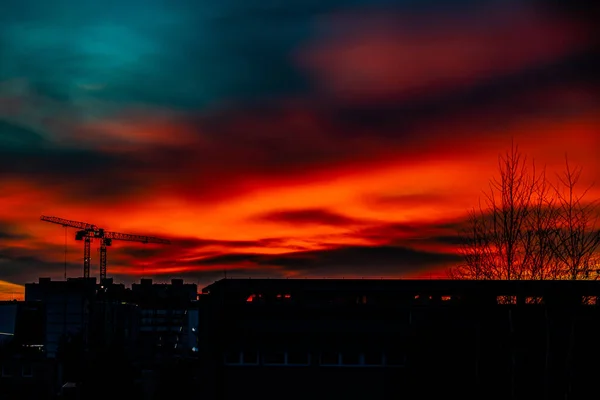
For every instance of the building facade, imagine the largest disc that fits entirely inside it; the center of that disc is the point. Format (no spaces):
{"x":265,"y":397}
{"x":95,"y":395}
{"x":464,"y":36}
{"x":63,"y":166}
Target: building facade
{"x":67,"y":307}
{"x":25,"y":372}
{"x":383,"y":339}
{"x":167,"y":315}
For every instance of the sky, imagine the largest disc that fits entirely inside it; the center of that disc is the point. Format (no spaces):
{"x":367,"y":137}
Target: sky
{"x":291,"y":138}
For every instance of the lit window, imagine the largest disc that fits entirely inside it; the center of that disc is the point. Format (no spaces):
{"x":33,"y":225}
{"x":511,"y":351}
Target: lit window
{"x":446,"y":298}
{"x":506,"y":299}
{"x":534,"y":300}
{"x":589,"y":300}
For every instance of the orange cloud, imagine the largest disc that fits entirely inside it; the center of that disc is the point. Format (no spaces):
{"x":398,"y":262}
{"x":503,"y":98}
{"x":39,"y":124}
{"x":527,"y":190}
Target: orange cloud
{"x":10,"y":291}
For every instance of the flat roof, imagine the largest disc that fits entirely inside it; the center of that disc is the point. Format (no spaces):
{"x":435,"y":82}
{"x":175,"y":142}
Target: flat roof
{"x":371,"y":284}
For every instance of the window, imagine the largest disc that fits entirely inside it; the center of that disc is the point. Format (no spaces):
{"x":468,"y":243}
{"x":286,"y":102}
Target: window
{"x":250,"y":357}
{"x":274,"y":358}
{"x":506,"y":299}
{"x":330,"y":358}
{"x":6,"y":371}
{"x":446,"y":298}
{"x":298,"y":358}
{"x":589,"y":300}
{"x":534,"y":300}
{"x":394,"y":359}
{"x":233,"y":357}
{"x":350,"y":358}
{"x":373,"y":358}
{"x":27,"y":371}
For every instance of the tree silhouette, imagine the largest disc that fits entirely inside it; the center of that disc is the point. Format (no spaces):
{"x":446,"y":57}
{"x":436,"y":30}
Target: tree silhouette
{"x":577,"y":236}
{"x":528,"y":228}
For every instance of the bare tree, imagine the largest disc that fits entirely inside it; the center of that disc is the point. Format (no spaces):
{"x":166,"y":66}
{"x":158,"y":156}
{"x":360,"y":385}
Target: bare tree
{"x":539,"y":231}
{"x":577,"y":237}
{"x":527,"y":228}
{"x":475,"y":249}
{"x":495,"y":246}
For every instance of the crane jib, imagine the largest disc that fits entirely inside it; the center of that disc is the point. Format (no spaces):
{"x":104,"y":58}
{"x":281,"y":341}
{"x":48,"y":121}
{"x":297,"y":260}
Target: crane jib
{"x":87,"y":232}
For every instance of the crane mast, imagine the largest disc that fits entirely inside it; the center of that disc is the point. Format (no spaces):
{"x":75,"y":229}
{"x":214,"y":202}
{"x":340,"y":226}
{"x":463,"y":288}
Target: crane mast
{"x":87,"y":232}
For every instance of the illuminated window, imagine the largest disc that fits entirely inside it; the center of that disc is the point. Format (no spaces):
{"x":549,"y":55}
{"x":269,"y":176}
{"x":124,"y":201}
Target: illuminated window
{"x":254,"y":298}
{"x":589,"y":300}
{"x":506,"y":299}
{"x":534,"y":300}
{"x":446,"y":298}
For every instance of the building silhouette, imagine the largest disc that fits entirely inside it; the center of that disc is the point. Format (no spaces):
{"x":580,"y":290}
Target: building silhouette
{"x":384,"y":339}
{"x":67,"y":306}
{"x":302,"y":338}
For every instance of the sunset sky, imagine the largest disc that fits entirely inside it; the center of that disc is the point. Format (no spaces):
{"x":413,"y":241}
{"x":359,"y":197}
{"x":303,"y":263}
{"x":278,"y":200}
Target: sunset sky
{"x":292,"y":138}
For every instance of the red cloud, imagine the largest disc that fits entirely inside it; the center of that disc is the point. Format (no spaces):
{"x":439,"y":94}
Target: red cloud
{"x":372,"y":54}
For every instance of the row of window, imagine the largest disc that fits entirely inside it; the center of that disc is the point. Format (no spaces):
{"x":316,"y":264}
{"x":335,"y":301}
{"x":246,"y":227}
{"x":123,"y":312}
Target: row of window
{"x":298,"y":358}
{"x":585,"y":300}
{"x":26,"y":371}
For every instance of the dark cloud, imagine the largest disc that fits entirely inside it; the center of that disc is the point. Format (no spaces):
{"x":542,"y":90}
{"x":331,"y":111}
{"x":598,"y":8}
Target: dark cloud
{"x":18,"y":265}
{"x":10,"y":232}
{"x":183,"y":247}
{"x":364,"y":260}
{"x":308,"y":217}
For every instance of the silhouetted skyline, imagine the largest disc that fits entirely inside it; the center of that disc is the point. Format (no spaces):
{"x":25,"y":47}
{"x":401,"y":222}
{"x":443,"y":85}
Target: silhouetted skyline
{"x":338,"y":138}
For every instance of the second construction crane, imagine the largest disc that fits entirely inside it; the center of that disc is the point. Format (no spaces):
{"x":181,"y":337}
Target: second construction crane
{"x":87,"y":232}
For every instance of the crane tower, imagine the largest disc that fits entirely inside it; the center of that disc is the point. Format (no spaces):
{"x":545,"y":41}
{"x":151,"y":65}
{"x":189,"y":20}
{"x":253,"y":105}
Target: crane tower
{"x":87,"y":232}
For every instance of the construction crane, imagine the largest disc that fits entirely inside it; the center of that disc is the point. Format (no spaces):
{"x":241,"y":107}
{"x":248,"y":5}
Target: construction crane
{"x":87,"y":232}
